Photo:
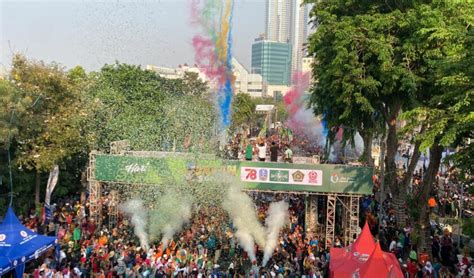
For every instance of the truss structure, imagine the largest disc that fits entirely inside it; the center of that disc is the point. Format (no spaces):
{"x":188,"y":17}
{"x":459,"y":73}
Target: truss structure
{"x":311,"y":216}
{"x":354,"y":218}
{"x":330,"y":219}
{"x":113,"y":208}
{"x":350,"y":203}
{"x":95,"y":191}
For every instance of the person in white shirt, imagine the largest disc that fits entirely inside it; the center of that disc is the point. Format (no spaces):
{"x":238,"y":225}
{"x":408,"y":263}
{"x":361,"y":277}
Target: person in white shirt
{"x":393,"y":246}
{"x":262,"y":151}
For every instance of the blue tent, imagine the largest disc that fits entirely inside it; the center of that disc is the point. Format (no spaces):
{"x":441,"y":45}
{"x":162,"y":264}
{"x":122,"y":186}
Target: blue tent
{"x":18,"y":244}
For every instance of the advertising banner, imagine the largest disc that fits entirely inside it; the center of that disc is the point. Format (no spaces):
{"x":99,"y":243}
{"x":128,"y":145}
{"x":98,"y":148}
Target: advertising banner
{"x":254,"y":175}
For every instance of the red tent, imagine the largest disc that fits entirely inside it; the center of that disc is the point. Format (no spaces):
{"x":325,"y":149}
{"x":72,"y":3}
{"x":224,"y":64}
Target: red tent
{"x":381,"y":264}
{"x":365,"y":242}
{"x":364,"y":257}
{"x":345,"y":260}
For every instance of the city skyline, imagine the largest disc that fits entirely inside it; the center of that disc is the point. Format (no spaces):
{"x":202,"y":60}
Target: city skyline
{"x":91,"y":34}
{"x":286,"y":21}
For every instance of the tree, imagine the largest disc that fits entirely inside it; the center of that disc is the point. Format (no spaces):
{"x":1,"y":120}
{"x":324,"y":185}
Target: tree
{"x":153,"y":113}
{"x":47,"y":127}
{"x":446,"y":108}
{"x":243,"y":110}
{"x":373,"y":62}
{"x":194,"y":86}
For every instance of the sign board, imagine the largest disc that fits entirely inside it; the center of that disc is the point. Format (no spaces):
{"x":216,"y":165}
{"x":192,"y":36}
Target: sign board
{"x":306,"y":160}
{"x":264,"y":108}
{"x":254,"y":175}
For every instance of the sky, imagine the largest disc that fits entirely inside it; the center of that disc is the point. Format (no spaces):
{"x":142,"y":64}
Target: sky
{"x":92,"y":33}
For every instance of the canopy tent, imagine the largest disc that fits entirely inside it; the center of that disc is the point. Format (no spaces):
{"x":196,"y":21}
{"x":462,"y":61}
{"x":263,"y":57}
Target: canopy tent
{"x":354,"y":255}
{"x":19,"y":244}
{"x":381,"y":264}
{"x":363,"y":257}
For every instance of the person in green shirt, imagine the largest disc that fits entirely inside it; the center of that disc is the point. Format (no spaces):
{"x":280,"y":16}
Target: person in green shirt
{"x":249,"y":152}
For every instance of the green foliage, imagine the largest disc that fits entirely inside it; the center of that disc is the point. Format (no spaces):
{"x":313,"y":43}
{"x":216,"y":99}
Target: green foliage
{"x":470,"y":190}
{"x":243,"y":110}
{"x":153,"y":113}
{"x":193,"y":86}
{"x":468,"y":227}
{"x":13,"y":104}
{"x":375,"y":59}
{"x":48,"y":130}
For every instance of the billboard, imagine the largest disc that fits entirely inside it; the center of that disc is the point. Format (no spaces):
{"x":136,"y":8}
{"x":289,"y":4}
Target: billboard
{"x":254,"y":175}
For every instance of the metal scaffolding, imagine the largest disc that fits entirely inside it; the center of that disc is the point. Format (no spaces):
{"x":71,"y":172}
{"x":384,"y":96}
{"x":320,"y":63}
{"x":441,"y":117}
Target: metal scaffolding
{"x":330,"y":219}
{"x":311,"y":216}
{"x":95,"y":191}
{"x":346,"y":217}
{"x":327,"y":228}
{"x":113,"y":208}
{"x":354,"y":217}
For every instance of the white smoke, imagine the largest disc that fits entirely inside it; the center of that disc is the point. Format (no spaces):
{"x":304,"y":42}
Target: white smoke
{"x":171,"y":213}
{"x":138,"y":214}
{"x":277,"y":218}
{"x":241,"y":210}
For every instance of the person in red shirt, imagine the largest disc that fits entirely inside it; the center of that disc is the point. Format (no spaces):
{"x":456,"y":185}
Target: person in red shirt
{"x":412,"y":268}
{"x":91,"y":227}
{"x":423,"y":257}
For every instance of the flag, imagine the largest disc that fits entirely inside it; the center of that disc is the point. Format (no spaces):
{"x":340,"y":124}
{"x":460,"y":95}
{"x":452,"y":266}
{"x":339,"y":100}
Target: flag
{"x":52,"y":180}
{"x":47,"y":213}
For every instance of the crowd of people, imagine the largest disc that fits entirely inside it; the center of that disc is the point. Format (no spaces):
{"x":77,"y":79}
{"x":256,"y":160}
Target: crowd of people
{"x":273,"y":147}
{"x":449,"y":256}
{"x":206,"y":247}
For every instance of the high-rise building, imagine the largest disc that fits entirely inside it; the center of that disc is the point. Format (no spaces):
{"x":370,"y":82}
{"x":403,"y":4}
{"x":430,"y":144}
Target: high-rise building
{"x":272,"y":60}
{"x":286,"y":21}
{"x":299,"y":34}
{"x":278,"y":20}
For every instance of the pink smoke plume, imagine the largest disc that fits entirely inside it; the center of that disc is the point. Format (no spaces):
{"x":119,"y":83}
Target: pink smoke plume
{"x":294,"y":102}
{"x":206,"y":59}
{"x":294,"y":97}
{"x":305,"y":126}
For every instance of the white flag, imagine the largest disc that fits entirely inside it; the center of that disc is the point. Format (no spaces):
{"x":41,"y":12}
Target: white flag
{"x":52,"y":180}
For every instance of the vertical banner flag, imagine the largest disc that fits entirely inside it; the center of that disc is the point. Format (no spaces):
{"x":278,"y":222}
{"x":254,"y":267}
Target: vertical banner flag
{"x":52,"y":181}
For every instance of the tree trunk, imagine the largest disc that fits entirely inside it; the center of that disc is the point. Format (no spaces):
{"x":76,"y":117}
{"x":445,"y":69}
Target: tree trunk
{"x":412,"y":165}
{"x":390,"y":167}
{"x":37,"y":187}
{"x":366,"y":156}
{"x":429,"y":178}
{"x":390,"y":176}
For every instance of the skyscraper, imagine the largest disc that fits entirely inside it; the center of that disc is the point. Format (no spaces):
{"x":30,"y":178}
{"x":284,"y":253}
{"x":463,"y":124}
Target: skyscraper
{"x":278,"y":20}
{"x":272,"y":60}
{"x":299,"y":34}
{"x":286,"y":21}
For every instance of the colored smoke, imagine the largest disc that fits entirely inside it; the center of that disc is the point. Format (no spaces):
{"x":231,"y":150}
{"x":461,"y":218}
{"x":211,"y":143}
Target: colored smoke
{"x":301,"y":120}
{"x":138,"y":214}
{"x":277,"y":218}
{"x":213,"y":50}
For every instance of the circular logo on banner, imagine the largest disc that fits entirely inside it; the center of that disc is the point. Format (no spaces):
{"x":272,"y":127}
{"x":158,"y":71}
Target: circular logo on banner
{"x":23,"y":234}
{"x":334,"y":178}
{"x":263,"y":174}
{"x":313,"y":177}
{"x":2,"y":237}
{"x":23,"y":259}
{"x":15,"y":262}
